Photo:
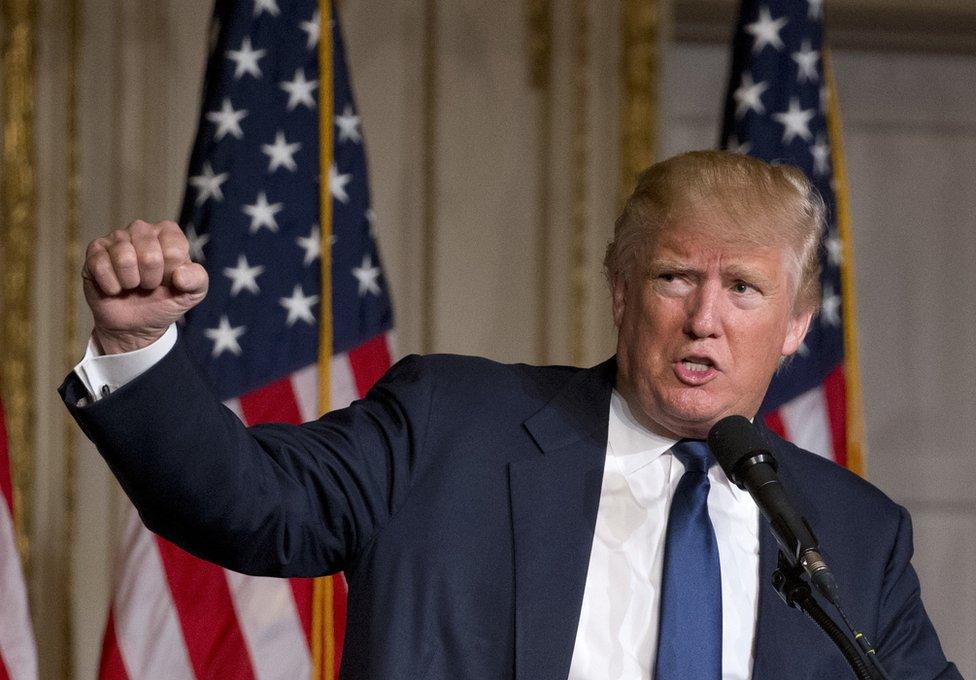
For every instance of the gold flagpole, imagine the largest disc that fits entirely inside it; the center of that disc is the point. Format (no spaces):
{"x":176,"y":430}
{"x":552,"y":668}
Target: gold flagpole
{"x":323,"y":624}
{"x":854,"y":415}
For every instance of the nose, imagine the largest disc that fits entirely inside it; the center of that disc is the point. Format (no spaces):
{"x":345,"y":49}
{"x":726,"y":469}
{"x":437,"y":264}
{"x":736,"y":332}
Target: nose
{"x":704,"y":311}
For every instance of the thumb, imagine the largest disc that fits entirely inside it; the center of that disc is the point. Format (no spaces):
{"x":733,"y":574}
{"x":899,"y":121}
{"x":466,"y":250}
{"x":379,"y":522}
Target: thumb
{"x":191,"y":279}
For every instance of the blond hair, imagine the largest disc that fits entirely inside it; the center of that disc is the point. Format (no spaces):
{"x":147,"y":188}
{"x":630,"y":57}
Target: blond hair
{"x":769,"y":203}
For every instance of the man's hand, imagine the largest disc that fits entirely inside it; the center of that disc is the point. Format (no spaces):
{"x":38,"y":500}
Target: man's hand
{"x":138,"y":281}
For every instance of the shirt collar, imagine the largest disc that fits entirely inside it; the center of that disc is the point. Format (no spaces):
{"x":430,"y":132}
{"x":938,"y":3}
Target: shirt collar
{"x":634,"y":446}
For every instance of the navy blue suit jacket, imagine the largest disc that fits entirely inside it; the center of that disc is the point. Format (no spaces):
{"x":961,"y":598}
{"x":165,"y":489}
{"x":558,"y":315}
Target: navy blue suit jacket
{"x":460,"y":499}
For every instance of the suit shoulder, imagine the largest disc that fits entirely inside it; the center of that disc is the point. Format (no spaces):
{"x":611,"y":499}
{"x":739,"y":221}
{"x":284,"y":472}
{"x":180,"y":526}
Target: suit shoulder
{"x":457,"y":375}
{"x":839,"y":489}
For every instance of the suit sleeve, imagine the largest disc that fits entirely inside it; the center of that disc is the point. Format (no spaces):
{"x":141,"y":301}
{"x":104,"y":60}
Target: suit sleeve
{"x":907,"y":644}
{"x":272,"y":500}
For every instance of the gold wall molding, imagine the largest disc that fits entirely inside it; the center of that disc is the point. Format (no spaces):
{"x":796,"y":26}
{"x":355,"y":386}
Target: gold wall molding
{"x":429,"y":170}
{"x":540,"y":78}
{"x":579,"y":267}
{"x":640,"y":27}
{"x":72,"y":263}
{"x":17,"y":228}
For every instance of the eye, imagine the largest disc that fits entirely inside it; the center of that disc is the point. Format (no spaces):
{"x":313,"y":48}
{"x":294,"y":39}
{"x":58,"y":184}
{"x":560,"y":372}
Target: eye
{"x":742,"y":288}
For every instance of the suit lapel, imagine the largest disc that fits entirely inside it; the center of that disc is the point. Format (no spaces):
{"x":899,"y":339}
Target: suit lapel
{"x":783,"y":634}
{"x":555,"y":497}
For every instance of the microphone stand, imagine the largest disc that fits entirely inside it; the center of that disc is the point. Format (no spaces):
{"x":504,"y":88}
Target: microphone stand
{"x":788,"y":582}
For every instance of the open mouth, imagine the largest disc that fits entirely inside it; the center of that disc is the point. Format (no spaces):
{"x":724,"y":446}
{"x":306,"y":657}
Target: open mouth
{"x":695,"y":370}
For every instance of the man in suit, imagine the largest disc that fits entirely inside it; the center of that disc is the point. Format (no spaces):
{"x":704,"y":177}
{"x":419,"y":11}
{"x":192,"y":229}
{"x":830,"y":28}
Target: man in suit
{"x":510,"y":521}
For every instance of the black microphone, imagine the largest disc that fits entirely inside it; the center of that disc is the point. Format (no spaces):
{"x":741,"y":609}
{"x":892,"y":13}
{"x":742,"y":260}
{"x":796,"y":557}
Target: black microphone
{"x":749,"y":464}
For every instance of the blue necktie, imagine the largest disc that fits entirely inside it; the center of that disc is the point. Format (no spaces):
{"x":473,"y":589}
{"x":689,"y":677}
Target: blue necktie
{"x":690,"y":633}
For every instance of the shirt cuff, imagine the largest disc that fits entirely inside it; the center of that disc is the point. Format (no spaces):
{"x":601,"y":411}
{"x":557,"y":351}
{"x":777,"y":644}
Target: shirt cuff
{"x":102,"y":374}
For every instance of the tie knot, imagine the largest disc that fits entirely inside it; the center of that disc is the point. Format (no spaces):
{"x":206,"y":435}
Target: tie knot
{"x":694,"y":454}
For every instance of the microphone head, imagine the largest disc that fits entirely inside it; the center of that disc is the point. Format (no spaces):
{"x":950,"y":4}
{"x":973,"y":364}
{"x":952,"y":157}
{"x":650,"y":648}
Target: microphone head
{"x":734,"y":440}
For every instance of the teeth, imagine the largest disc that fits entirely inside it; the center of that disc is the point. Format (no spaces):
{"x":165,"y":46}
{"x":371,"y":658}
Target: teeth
{"x":695,"y":366}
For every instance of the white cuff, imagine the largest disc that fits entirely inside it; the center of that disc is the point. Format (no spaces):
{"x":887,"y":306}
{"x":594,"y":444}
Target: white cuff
{"x":103,"y":374}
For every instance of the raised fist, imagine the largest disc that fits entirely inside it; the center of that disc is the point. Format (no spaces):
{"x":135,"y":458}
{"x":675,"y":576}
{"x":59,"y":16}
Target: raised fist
{"x":138,"y":281}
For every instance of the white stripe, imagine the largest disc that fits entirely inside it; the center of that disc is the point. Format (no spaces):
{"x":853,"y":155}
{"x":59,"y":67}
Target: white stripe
{"x":271,"y":626}
{"x":343,"y":389}
{"x":807,"y":423}
{"x":304,"y":383}
{"x":16,"y":634}
{"x":235,"y":406}
{"x":393,"y":347}
{"x":146,"y":625}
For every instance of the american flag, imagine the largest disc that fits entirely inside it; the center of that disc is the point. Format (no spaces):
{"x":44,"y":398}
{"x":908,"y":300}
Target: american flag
{"x":254,"y":217}
{"x":18,"y":655}
{"x":779,"y":107}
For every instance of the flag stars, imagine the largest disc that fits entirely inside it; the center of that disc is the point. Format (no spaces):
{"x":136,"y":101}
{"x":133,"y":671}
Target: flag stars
{"x":312,"y":28}
{"x":830,"y":306}
{"x":197,"y":242}
{"x":227,"y":120}
{"x":311,"y":244}
{"x":208,"y":184}
{"x":300,"y":91}
{"x":748,"y":96}
{"x":246,"y":60}
{"x":821,"y":155}
{"x":281,"y":153}
{"x":806,"y":61}
{"x":368,"y":276}
{"x":814,"y":9}
{"x":243,"y":277}
{"x":299,"y":306}
{"x":269,"y":6}
{"x":337,"y":184}
{"x":225,"y":337}
{"x":795,"y":121}
{"x":262,"y":214}
{"x":348,"y":124}
{"x":766,"y":30}
{"x":835,"y":250}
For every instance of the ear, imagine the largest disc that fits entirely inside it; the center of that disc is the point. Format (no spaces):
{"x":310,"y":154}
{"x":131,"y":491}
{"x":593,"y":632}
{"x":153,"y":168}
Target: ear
{"x":619,"y":292}
{"x":795,"y":332}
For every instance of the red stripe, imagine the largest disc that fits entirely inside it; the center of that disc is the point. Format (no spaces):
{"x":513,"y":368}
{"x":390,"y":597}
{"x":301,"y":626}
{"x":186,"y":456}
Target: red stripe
{"x":3,"y":668}
{"x":273,"y":403}
{"x":5,"y":485}
{"x":369,"y":362}
{"x":301,"y":590}
{"x":774,"y":421}
{"x":835,"y":394}
{"x":111,"y":666}
{"x":338,"y":617}
{"x":214,"y":641}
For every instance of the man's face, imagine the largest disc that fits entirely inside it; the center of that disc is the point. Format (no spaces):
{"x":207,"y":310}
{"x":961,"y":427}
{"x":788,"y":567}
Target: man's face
{"x":702,"y":325}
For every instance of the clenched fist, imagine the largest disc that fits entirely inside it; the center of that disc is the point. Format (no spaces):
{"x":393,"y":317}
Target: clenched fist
{"x":138,"y":281}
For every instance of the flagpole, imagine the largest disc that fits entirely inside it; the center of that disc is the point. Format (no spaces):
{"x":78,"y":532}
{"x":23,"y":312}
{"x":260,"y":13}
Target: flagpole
{"x":854,"y":426}
{"x":323,"y":623}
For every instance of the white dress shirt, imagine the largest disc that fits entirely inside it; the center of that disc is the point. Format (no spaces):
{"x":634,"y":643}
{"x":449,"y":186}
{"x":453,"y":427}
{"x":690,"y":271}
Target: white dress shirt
{"x":617,"y":634}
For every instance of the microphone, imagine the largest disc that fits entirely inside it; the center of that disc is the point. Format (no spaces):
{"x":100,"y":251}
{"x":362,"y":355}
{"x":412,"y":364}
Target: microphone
{"x":749,"y":463}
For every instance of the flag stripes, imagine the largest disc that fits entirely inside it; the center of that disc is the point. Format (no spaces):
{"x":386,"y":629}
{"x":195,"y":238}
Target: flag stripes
{"x":18,"y":655}
{"x":178,"y":617}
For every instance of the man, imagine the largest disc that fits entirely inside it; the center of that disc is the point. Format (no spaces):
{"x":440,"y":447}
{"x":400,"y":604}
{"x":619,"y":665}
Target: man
{"x":499,"y":521}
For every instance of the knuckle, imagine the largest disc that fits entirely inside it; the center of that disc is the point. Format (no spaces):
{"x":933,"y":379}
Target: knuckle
{"x":119,"y":236}
{"x":174,"y":252}
{"x":151,"y":258}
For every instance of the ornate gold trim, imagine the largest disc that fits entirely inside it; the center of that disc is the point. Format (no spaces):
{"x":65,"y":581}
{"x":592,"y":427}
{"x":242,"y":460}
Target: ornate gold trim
{"x":580,"y":198}
{"x":17,"y":222}
{"x":640,"y":25}
{"x":539,"y":19}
